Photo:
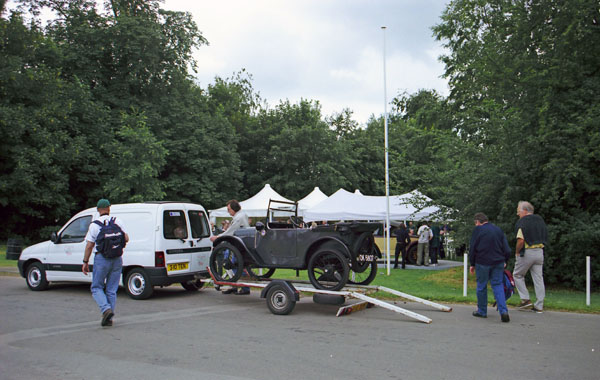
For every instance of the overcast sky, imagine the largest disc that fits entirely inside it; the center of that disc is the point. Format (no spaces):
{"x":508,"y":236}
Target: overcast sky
{"x":325,"y":50}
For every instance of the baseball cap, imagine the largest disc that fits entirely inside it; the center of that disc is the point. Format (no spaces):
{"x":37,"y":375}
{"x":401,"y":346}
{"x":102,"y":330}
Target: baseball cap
{"x":103,"y":203}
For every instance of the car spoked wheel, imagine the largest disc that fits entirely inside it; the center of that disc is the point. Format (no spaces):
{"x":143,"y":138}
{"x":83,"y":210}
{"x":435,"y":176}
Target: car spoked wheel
{"x":364,"y":252}
{"x":365,"y":277}
{"x":226,"y":263}
{"x":328,"y":270}
{"x":260,"y":273}
{"x":368,"y":269}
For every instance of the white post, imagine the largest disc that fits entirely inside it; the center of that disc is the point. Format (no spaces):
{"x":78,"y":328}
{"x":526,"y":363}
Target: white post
{"x":588,"y":271}
{"x":465,"y":271}
{"x":387,"y":173}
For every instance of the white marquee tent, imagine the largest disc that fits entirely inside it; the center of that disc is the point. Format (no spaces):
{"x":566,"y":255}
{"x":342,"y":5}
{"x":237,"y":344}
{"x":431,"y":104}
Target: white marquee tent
{"x":343,"y":205}
{"x":315,"y":197}
{"x":255,"y":206}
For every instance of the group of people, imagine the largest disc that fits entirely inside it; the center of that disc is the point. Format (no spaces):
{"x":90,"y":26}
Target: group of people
{"x":429,"y":243}
{"x":489,"y":253}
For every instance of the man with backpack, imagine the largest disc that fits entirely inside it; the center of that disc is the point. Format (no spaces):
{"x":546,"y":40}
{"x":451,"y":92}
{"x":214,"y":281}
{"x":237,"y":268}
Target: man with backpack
{"x":106,"y":237}
{"x":488,"y":253}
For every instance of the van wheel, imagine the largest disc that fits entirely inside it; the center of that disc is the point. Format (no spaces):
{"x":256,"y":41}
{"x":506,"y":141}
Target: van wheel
{"x":36,"y":277}
{"x":138,"y":284}
{"x":192,"y":285}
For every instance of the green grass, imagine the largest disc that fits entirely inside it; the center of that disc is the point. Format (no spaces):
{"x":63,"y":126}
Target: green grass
{"x":447,"y":286}
{"x":3,"y":261}
{"x":441,"y":286}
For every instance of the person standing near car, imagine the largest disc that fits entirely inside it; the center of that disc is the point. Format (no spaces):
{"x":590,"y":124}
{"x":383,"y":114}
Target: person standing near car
{"x":425,"y":235}
{"x":402,"y":240}
{"x":488,"y":253}
{"x":240,"y":220}
{"x":106,"y":272}
{"x":532,"y":237}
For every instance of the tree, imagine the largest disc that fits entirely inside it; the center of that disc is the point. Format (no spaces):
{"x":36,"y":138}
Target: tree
{"x":524,"y":94}
{"x":136,"y":158}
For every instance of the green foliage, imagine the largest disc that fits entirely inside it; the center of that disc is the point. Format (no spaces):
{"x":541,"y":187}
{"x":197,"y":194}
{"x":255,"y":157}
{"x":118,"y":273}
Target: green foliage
{"x":136,"y":158}
{"x":100,"y":102}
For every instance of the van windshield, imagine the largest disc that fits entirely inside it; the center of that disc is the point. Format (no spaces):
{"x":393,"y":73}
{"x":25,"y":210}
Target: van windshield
{"x":199,"y":223}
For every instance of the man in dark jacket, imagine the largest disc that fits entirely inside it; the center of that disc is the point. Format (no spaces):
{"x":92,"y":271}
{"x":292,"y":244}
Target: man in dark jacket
{"x":532,"y":236}
{"x":488,"y":254}
{"x":402,"y":240}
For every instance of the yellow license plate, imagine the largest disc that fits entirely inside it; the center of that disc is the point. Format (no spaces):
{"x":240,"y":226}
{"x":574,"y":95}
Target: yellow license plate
{"x":178,"y":266}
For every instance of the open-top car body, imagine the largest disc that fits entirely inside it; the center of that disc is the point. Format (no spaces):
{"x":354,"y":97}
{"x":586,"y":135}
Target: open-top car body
{"x":334,"y":255}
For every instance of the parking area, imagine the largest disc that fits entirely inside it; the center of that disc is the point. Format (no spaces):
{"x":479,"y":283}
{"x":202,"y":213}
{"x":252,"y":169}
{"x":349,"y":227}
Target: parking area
{"x":56,"y":334}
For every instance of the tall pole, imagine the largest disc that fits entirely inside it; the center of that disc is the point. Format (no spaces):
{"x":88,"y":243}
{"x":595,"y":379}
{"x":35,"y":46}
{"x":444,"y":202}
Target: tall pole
{"x":387,"y":164}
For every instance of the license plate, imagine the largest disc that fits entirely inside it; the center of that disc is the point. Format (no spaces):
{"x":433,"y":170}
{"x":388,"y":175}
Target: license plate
{"x":345,"y":310}
{"x":177,"y":266}
{"x":364,"y":258}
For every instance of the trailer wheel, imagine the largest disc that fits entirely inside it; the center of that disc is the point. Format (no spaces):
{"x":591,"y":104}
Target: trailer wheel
{"x":279,"y":301}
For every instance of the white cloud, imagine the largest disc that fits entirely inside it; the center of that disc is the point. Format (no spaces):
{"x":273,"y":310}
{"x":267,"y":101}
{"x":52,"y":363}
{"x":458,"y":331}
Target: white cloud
{"x":330,"y":51}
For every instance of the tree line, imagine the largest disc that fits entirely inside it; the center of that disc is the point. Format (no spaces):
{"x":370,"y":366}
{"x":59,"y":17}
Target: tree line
{"x":101,"y":102}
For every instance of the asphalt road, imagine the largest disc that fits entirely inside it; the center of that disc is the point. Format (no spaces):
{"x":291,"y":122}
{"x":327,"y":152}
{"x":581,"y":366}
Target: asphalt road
{"x":56,"y":334}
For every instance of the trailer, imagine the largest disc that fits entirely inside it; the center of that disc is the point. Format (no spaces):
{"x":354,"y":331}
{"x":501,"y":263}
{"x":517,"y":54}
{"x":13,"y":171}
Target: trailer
{"x":281,"y":296}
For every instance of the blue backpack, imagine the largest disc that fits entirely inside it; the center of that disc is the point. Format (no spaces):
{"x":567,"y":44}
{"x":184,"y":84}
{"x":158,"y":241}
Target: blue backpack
{"x":509,"y":284}
{"x":111,"y":239}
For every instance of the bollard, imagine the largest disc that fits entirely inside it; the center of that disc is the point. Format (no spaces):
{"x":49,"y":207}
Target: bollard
{"x":465,"y":271}
{"x":587,"y":280}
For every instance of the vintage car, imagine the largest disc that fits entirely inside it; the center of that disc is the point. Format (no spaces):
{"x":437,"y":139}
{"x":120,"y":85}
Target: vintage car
{"x":334,"y":255}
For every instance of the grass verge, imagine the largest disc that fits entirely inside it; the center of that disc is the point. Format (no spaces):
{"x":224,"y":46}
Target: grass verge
{"x":447,"y":286}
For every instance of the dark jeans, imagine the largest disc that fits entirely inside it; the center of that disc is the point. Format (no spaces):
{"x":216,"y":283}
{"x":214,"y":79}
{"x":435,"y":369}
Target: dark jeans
{"x":401,"y":247}
{"x":434,"y":253}
{"x":494,"y":274}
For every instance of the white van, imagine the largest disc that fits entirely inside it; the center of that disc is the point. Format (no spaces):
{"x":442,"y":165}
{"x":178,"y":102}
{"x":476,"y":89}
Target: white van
{"x":168,"y":243}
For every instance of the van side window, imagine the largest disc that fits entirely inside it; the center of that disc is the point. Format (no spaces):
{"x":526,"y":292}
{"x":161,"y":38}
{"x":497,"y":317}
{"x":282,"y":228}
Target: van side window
{"x":199,"y":223}
{"x":174,"y":224}
{"x":75,"y":232}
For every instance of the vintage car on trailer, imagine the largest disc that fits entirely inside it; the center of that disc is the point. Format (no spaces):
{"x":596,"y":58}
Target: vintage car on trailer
{"x":334,"y":255}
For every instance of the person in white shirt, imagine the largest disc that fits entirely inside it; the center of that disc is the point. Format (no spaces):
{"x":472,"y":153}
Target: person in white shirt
{"x":106,"y":271}
{"x":425,"y":234}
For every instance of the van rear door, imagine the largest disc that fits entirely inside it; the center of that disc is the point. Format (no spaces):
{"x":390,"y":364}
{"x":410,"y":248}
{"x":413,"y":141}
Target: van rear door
{"x":200,"y":233}
{"x":175,"y":240}
{"x":185,"y":239}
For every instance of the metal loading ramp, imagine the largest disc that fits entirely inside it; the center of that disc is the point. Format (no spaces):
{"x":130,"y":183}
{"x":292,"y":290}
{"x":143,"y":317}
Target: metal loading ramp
{"x":281,"y":296}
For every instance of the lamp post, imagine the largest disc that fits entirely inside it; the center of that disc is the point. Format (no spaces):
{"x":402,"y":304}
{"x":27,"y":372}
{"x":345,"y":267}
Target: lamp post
{"x":387,"y":173}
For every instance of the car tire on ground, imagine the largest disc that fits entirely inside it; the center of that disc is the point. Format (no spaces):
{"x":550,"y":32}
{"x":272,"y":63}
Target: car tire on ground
{"x":137,"y":284}
{"x":36,"y":277}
